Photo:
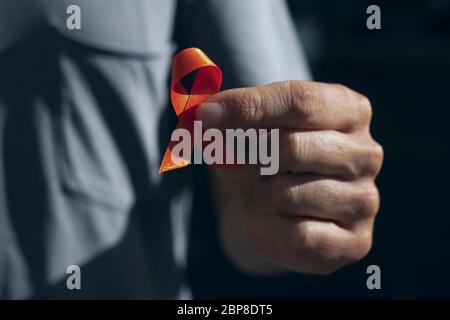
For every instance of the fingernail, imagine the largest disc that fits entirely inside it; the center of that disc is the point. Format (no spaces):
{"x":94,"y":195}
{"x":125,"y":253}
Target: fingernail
{"x":211,"y":114}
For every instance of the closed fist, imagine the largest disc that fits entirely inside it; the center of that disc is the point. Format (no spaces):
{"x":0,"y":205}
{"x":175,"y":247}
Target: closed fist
{"x":317,"y":213}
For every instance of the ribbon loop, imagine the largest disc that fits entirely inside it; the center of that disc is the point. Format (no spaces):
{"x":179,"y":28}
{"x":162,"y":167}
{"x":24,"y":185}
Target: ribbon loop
{"x":207,"y":82}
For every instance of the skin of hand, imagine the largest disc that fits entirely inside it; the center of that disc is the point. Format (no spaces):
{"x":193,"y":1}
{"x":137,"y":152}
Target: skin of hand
{"x":317,"y":213}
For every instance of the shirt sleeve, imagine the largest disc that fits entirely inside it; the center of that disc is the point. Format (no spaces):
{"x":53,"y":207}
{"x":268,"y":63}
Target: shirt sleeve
{"x":253,"y":41}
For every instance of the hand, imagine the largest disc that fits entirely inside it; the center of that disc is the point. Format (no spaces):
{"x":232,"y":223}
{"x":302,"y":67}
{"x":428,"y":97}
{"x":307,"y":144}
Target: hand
{"x":317,"y":214}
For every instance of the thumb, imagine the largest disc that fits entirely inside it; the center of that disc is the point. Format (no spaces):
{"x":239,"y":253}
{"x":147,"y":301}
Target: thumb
{"x":241,"y":108}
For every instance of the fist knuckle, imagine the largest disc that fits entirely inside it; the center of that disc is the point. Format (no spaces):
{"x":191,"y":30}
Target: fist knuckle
{"x":374,"y":155}
{"x":342,"y":90}
{"x":302,"y":100}
{"x":378,"y":156}
{"x":364,"y":100}
{"x":362,"y":247}
{"x":356,"y":250}
{"x":365,"y":108}
{"x":367,"y":201}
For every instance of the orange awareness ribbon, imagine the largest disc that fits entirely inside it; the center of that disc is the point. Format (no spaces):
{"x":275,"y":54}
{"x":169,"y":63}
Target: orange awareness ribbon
{"x":207,"y":82}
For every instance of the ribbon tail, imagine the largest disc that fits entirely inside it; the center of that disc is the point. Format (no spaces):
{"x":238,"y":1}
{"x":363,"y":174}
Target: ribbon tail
{"x":173,"y":161}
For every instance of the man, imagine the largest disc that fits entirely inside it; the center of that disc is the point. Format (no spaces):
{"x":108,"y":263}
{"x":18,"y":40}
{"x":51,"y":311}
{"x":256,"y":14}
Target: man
{"x":84,"y":120}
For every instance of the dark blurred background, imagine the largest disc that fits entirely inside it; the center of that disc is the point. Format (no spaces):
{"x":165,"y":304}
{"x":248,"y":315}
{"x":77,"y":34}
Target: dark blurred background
{"x":404,"y":69}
